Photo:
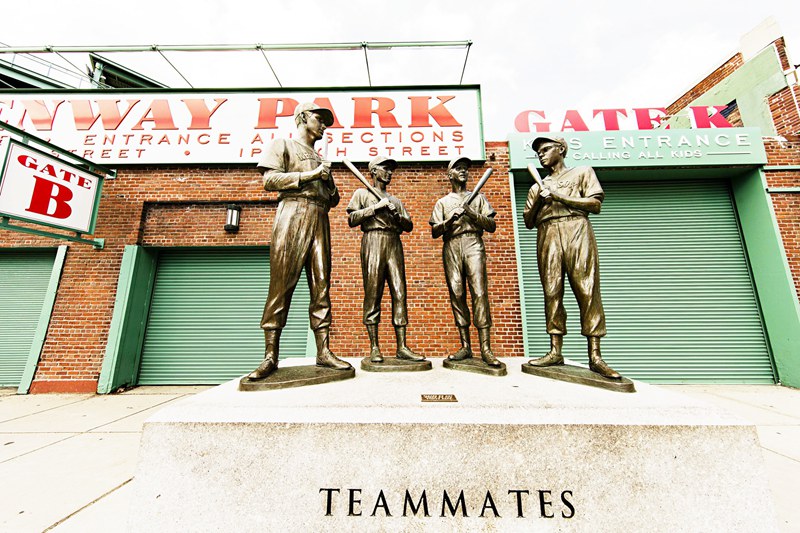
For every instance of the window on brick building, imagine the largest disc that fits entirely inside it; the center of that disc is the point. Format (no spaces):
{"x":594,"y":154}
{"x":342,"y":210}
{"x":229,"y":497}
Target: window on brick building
{"x":732,"y":114}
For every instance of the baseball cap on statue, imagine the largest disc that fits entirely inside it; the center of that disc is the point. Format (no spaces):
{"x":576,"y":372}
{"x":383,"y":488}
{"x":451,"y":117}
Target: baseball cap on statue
{"x":456,"y":160}
{"x":389,"y":163}
{"x":538,"y":141}
{"x":326,"y":114}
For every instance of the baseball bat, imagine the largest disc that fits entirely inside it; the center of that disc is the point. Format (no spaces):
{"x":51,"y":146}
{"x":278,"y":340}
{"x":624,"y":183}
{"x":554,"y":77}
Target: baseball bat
{"x":479,"y":186}
{"x":362,"y":179}
{"x":536,"y":177}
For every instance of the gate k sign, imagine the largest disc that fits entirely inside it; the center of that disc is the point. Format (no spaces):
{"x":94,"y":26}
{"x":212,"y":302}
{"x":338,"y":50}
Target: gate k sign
{"x":39,"y":188}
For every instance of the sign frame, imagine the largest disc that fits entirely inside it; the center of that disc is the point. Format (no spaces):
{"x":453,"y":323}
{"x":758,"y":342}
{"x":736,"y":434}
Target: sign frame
{"x":648,"y":148}
{"x":472,"y":132}
{"x":95,"y":201}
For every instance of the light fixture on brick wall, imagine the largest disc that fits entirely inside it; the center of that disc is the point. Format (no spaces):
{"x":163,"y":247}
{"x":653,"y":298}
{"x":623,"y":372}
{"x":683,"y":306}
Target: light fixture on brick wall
{"x":233,"y":214}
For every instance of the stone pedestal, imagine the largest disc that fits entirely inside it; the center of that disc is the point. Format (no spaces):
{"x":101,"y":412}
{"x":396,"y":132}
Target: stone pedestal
{"x":511,"y":454}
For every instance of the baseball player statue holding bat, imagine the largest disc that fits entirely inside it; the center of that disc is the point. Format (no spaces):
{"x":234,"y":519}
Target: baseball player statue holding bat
{"x":383,"y":219}
{"x":565,"y":244}
{"x":460,"y":218}
{"x":301,"y":235}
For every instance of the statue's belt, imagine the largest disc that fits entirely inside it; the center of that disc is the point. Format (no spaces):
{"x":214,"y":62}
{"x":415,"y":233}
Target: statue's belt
{"x":462,"y":234}
{"x":565,"y":218}
{"x":383,"y":230}
{"x":304,"y":199}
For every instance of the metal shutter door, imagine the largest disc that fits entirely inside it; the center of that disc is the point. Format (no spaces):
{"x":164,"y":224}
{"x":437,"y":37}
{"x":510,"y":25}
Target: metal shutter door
{"x":677,"y":291}
{"x":203,"y":326}
{"x":24,"y":277}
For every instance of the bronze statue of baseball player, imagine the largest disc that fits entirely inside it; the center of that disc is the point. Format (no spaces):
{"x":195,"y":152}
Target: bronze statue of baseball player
{"x":461,"y":225}
{"x":383,"y":219}
{"x":301,"y":235}
{"x":558,"y":207}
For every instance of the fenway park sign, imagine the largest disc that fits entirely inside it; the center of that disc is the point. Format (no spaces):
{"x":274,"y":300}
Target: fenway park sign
{"x":168,"y":127}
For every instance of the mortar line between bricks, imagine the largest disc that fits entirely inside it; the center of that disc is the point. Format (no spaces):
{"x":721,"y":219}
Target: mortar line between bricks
{"x":87,"y":505}
{"x":48,"y":409}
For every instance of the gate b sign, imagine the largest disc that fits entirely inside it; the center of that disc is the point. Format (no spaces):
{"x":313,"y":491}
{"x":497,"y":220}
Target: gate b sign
{"x":39,"y":188}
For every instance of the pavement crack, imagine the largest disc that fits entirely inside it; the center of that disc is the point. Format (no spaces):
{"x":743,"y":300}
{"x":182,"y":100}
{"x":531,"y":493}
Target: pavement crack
{"x":46,"y":410}
{"x":71,"y":436}
{"x":91,"y":430}
{"x":780,"y":454}
{"x":87,"y":505}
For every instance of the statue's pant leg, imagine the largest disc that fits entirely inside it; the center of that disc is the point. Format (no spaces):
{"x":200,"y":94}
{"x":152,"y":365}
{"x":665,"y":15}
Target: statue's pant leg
{"x":291,"y":234}
{"x":396,"y":276}
{"x":373,"y":272}
{"x":583,"y":271}
{"x":475,"y":266}
{"x":452,"y":258}
{"x":318,"y":271}
{"x":551,"y":272}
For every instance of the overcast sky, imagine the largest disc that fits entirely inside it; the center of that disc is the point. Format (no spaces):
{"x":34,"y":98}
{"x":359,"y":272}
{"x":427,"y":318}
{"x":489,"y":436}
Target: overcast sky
{"x":526,"y":54}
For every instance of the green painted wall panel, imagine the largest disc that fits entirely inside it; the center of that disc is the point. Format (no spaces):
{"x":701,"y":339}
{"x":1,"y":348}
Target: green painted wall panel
{"x":679,"y":300}
{"x":44,"y":321}
{"x":204,"y":317}
{"x":24,"y":278}
{"x":771,"y":273}
{"x":131,"y":306}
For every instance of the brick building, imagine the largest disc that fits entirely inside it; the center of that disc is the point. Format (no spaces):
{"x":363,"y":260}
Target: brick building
{"x":174,"y":298}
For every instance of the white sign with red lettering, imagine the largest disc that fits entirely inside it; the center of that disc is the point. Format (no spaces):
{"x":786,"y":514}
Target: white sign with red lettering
{"x":36,"y":187}
{"x":167,"y":127}
{"x":617,"y":119}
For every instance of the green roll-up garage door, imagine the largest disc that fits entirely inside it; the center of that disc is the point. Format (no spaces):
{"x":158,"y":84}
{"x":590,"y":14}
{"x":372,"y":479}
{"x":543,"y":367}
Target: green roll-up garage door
{"x":677,"y":291}
{"x":24,"y":277}
{"x":203,"y":325}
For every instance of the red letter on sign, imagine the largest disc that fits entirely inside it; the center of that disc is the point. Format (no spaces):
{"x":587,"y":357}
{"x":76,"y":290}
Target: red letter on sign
{"x":700,"y":118}
{"x":363,"y":111}
{"x":574,"y":121}
{"x":160,"y":114}
{"x":523,"y":121}
{"x":41,"y":117}
{"x":27,"y":161}
{"x":645,"y":119}
{"x":611,"y":117}
{"x":47,"y":194}
{"x":421,"y":112}
{"x":201,"y":114}
{"x":268,"y":111}
{"x":108,"y":113}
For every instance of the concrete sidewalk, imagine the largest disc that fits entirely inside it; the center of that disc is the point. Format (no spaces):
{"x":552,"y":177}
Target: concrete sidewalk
{"x":66,"y":460}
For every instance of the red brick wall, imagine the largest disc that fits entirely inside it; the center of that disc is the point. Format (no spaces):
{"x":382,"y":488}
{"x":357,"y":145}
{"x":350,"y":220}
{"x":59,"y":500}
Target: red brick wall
{"x":785,"y":113}
{"x":781,"y":153}
{"x":722,"y":72}
{"x":182,"y":206}
{"x":786,"y":205}
{"x":431,"y":328}
{"x":783,"y":55}
{"x":787,"y":212}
